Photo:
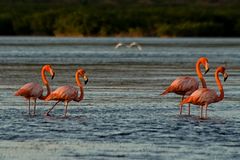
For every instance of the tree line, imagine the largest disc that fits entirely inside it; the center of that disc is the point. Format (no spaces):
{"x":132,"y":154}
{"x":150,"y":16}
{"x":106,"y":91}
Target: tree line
{"x":81,"y":18}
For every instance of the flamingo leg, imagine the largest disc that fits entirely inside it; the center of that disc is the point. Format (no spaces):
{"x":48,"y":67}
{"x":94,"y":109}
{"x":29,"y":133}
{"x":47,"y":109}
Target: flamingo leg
{"x":34,"y":109}
{"x":66,"y":105}
{"x":206,"y":107}
{"x":47,"y":114}
{"x":189,"y":109}
{"x":182,"y":97}
{"x":29,"y":103}
{"x":180,"y":110}
{"x":201,"y":115}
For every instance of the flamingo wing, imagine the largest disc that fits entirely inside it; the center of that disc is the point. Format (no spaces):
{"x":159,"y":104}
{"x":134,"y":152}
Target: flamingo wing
{"x":182,"y":86}
{"x":30,"y":90}
{"x":63,"y":93}
{"x":204,"y":95}
{"x":201,"y":97}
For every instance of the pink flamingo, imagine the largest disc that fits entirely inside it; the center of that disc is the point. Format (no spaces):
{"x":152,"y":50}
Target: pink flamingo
{"x":34,"y":90}
{"x":206,"y":96}
{"x":187,"y":85}
{"x":68,"y":93}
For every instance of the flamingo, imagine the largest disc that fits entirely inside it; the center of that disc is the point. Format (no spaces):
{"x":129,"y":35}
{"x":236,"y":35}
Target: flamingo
{"x":68,"y":93}
{"x":206,"y":96}
{"x":187,"y":85}
{"x":34,"y":90}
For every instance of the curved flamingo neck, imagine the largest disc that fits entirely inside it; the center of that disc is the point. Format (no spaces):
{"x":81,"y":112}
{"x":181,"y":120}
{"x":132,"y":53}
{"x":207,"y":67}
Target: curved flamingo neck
{"x":79,"y":84}
{"x":45,"y":82}
{"x":199,"y":73}
{"x":220,"y":87}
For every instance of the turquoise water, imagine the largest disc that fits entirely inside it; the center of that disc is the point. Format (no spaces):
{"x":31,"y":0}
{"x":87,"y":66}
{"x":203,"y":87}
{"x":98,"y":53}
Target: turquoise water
{"x":122,"y":115}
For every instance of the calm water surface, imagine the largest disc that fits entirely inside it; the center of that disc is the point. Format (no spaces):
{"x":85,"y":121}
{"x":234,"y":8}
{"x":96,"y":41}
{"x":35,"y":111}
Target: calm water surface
{"x":122,"y":115}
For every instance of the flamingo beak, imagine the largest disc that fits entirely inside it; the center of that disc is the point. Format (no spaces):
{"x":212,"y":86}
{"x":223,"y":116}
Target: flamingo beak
{"x":53,"y":74}
{"x":85,"y":79}
{"x":206,"y":69}
{"x":225,"y":75}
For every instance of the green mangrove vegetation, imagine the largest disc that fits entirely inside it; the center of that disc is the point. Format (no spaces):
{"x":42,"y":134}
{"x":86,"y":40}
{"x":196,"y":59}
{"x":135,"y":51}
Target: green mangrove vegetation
{"x":154,"y":18}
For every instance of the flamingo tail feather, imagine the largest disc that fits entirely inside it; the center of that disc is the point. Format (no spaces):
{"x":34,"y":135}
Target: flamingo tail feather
{"x":169,"y":89}
{"x":186,"y":100}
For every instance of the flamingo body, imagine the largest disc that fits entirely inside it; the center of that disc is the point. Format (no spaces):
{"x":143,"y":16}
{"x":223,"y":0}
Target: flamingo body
{"x":63,"y":93}
{"x":202,"y":96}
{"x":30,"y":90}
{"x":182,"y":86}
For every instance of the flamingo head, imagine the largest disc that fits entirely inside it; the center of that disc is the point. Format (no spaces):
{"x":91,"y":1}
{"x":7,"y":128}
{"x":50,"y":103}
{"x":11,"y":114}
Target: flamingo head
{"x":82,"y":73}
{"x":204,"y":61}
{"x":222,"y":70}
{"x":225,"y":76}
{"x":49,"y":69}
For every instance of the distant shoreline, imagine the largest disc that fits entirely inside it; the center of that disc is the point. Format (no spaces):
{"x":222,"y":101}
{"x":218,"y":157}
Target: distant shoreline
{"x":109,"y":18}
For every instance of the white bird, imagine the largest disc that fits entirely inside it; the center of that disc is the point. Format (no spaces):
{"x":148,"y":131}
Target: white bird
{"x":133,"y":44}
{"x":118,"y":45}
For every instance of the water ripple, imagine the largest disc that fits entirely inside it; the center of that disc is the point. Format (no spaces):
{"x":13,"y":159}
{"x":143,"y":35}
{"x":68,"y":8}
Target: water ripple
{"x":123,"y":115}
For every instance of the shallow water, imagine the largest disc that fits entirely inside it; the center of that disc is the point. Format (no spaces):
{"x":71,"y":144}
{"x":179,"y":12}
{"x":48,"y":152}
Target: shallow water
{"x":122,"y":115}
